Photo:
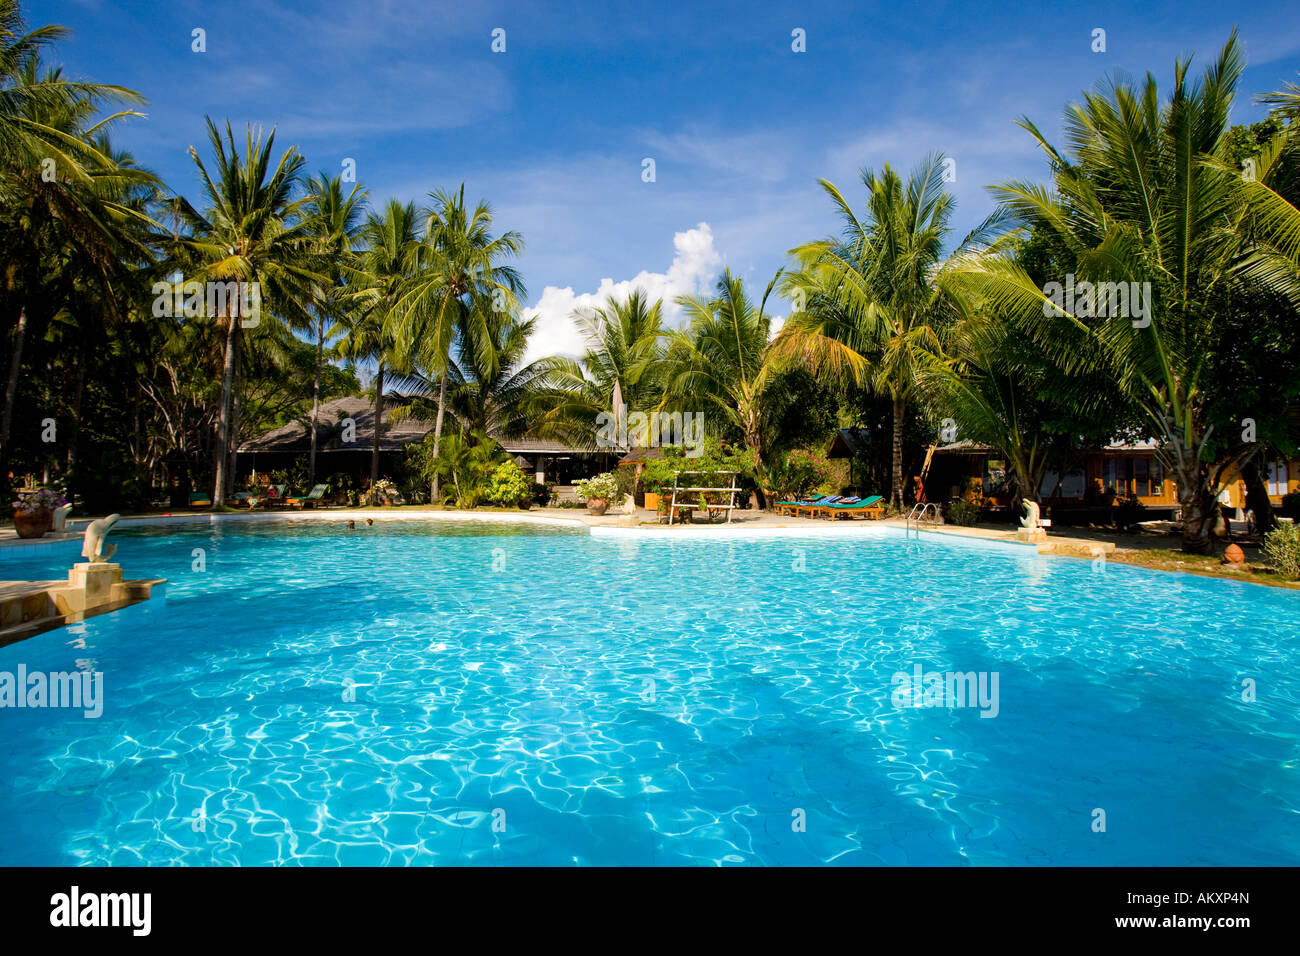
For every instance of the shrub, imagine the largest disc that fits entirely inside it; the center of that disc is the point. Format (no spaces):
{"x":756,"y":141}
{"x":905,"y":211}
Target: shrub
{"x":602,"y":486}
{"x":797,"y":474}
{"x":964,"y":513}
{"x":1291,"y":505}
{"x":1129,"y":512}
{"x":1282,"y":550}
{"x":507,"y":486}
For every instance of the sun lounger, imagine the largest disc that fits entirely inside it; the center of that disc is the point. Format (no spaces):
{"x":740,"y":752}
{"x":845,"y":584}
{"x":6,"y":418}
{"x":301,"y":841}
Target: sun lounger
{"x":812,"y":508}
{"x":866,"y":507}
{"x":314,"y":499}
{"x":788,"y":507}
{"x":200,"y":500}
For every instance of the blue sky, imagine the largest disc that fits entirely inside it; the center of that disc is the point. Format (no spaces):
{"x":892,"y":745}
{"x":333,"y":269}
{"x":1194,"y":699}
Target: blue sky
{"x":554,"y":130}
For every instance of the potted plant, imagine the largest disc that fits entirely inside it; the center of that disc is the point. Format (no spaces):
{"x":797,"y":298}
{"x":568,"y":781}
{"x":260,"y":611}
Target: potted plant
{"x":34,"y":513}
{"x":597,"y":492}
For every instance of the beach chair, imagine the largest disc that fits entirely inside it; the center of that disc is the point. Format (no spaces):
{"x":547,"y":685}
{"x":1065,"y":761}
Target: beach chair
{"x":788,"y":507}
{"x":313,"y":499}
{"x":865,"y":508}
{"x":200,"y":500}
{"x":270,"y":496}
{"x":815,"y":507}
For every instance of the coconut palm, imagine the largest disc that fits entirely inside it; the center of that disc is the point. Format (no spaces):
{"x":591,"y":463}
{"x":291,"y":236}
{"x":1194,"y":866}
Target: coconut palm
{"x":722,"y":359}
{"x":252,"y":231}
{"x":624,"y":351}
{"x":380,"y":278}
{"x":460,"y":278}
{"x":490,"y":388}
{"x":1141,"y":198}
{"x":871,"y":309}
{"x":334,"y":224}
{"x":62,"y":191}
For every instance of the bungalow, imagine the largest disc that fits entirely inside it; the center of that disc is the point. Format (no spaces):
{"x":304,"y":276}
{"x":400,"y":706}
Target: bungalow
{"x":345,"y":442}
{"x":1119,"y":470}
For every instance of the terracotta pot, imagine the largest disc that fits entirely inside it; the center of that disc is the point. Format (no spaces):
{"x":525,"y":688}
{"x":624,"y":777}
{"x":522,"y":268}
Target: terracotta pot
{"x":597,"y":506}
{"x":33,"y":525}
{"x":1233,"y":554}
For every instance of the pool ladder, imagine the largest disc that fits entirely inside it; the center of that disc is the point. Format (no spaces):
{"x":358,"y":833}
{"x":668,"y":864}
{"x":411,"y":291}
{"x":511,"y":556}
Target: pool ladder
{"x":917,"y":514}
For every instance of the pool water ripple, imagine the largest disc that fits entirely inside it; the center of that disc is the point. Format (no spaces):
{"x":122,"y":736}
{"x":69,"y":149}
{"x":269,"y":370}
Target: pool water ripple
{"x":479,"y":693}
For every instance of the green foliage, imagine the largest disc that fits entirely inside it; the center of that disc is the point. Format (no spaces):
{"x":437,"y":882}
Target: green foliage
{"x":508,"y":486}
{"x":799,"y":473}
{"x":1128,"y":512}
{"x":964,"y":513}
{"x":1282,"y":550}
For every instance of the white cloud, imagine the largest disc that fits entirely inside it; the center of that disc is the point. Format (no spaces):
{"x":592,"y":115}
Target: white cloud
{"x":695,"y":264}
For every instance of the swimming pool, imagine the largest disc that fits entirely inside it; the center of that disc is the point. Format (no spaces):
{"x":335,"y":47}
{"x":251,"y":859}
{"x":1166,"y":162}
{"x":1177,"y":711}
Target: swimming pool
{"x":484,"y":693}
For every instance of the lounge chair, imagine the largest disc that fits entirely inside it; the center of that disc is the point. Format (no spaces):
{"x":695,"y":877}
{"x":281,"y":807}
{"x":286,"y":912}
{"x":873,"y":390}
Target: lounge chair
{"x":867,"y":507}
{"x":199,"y":500}
{"x":314,"y":499}
{"x":789,"y":507}
{"x":269,"y":496}
{"x":816,"y":506}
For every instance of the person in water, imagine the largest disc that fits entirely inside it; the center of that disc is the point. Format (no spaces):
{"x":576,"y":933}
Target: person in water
{"x":369,"y":522}
{"x":352,"y":526}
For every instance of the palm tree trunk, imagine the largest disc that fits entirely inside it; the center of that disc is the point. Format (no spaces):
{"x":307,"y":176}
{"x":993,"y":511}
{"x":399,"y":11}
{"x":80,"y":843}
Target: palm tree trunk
{"x":379,"y":424}
{"x":437,"y":433}
{"x":11,"y":386}
{"x":896,"y":495}
{"x":315,"y":400}
{"x":236,"y":411}
{"x":1198,"y":505}
{"x":1257,"y":496}
{"x":223,"y":416}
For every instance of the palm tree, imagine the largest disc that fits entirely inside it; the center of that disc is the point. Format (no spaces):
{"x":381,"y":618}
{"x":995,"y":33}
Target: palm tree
{"x":722,"y":358}
{"x":625,"y":350}
{"x":83,"y":204}
{"x":334,"y":223}
{"x":490,"y":388}
{"x":252,"y":231}
{"x":382,"y":273}
{"x":1143,"y":199}
{"x":872,"y":309}
{"x":459,"y":279}
{"x":27,"y":137}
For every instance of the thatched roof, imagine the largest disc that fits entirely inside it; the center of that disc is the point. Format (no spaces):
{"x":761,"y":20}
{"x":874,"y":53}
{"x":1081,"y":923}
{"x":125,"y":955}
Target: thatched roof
{"x":296,"y":436}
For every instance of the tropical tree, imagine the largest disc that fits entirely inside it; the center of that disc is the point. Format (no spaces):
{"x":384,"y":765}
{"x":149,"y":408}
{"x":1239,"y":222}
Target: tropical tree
{"x":722,"y":359}
{"x":460,"y":278}
{"x":871,"y":310}
{"x":334,"y":224}
{"x":491,"y":389}
{"x":624,"y":354}
{"x":1156,"y":225}
{"x":380,"y":279}
{"x":252,"y":233}
{"x":61,"y":192}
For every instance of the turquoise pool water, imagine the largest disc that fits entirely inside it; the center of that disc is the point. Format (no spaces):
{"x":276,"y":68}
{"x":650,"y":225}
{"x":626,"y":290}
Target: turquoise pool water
{"x":435,"y":693}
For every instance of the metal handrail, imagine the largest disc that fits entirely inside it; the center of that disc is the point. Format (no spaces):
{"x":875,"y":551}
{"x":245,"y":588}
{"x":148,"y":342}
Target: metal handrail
{"x":919,"y":516}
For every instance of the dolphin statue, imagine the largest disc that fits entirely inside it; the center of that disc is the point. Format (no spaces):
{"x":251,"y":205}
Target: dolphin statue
{"x":93,"y":547}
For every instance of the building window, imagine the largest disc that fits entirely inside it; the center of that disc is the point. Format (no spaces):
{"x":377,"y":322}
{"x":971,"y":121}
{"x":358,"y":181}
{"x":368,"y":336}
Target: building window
{"x":1277,"y":478}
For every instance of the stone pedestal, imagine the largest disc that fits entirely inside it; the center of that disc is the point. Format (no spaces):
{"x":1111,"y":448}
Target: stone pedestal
{"x":1031,"y":535}
{"x":92,"y":585}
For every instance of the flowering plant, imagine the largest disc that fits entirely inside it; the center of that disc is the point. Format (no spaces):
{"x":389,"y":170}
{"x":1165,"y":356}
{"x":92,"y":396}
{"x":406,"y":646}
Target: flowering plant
{"x":37,"y":501}
{"x":602,"y":486}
